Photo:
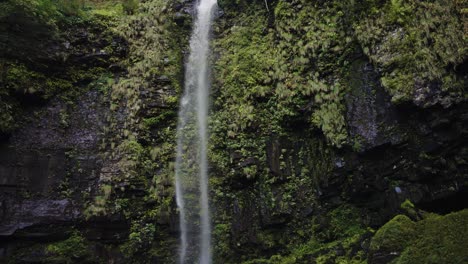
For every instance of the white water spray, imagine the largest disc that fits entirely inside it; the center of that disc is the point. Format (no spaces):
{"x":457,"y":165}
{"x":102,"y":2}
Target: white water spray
{"x":191,"y":162}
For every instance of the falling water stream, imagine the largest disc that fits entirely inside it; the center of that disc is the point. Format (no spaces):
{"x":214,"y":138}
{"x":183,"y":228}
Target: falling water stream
{"x":191,"y":162}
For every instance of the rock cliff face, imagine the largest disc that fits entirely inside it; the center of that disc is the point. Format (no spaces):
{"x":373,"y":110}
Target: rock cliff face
{"x":50,"y":155}
{"x":338,"y":132}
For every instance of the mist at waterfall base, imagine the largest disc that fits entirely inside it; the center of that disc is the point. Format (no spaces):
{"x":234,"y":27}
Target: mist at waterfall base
{"x":191,"y":162}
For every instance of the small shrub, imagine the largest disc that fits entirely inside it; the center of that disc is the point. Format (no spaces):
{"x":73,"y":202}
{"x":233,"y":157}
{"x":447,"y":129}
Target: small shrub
{"x":72,"y":250}
{"x":71,"y":7}
{"x":130,"y":6}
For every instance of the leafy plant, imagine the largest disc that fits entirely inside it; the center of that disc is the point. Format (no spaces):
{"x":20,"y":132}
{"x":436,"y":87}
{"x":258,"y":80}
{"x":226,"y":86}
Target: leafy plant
{"x":72,"y":250}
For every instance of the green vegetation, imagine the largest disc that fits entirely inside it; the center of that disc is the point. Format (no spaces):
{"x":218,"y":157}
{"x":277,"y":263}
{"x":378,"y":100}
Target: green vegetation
{"x":416,"y":43}
{"x":394,"y":235}
{"x":21,"y":80}
{"x":35,"y":65}
{"x":72,"y":250}
{"x":281,"y":74}
{"x":286,"y":68}
{"x":259,"y":66}
{"x":410,"y":210}
{"x":303,"y":68}
{"x":294,"y":60}
{"x":7,"y":107}
{"x":49,"y":14}
{"x":140,"y":238}
{"x":435,"y":239}
{"x":130,"y":6}
{"x":339,"y":242}
{"x":99,"y":206}
{"x":141,"y":142}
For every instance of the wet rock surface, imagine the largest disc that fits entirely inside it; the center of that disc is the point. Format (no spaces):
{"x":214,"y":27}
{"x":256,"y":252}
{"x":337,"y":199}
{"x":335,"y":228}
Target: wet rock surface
{"x":28,"y":213}
{"x":405,"y":152}
{"x":372,"y":119}
{"x":46,"y":168}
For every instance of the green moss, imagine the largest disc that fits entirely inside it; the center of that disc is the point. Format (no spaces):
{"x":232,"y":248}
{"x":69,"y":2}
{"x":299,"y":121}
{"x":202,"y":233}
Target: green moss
{"x":100,"y":204}
{"x":7,"y":112}
{"x":415,"y":43}
{"x":222,"y":236}
{"x":441,"y":239}
{"x":160,"y":120}
{"x":40,"y":11}
{"x":435,"y":239}
{"x":345,"y":222}
{"x":141,"y":237}
{"x":408,"y":207}
{"x":266,"y":80}
{"x":72,"y":250}
{"x":49,"y":14}
{"x":23,"y":80}
{"x":140,"y":136}
{"x":243,"y":72}
{"x":394,"y":235}
{"x":344,"y":233}
{"x":130,"y":6}
{"x":296,"y":57}
{"x":25,"y":75}
{"x":300,"y":68}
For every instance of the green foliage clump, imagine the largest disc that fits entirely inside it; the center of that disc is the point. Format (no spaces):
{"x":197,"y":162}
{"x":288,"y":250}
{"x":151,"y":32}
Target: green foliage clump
{"x":72,"y":250}
{"x":141,"y":237}
{"x":264,"y":88}
{"x":408,"y":207}
{"x":147,"y":162}
{"x":242,"y":85}
{"x":344,"y":233}
{"x":100,"y":204}
{"x":266,"y":81}
{"x":302,"y":68}
{"x":17,"y":79}
{"x":38,"y":17}
{"x":7,"y":120}
{"x":246,"y":58}
{"x":415,"y":43}
{"x":42,"y":11}
{"x":140,"y":135}
{"x":222,"y":236}
{"x":394,"y":235}
{"x":435,"y":239}
{"x":28,"y":30}
{"x":293,"y":58}
{"x":70,"y":7}
{"x":130,"y":6}
{"x":24,"y":81}
{"x":153,"y":45}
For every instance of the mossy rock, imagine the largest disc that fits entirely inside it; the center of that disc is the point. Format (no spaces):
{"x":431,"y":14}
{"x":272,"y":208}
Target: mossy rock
{"x":441,"y":239}
{"x":394,"y":235}
{"x":436,"y":239}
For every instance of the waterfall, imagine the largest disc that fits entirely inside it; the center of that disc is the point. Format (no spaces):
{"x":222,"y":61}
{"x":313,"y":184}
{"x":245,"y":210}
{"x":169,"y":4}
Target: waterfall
{"x":191,"y":162}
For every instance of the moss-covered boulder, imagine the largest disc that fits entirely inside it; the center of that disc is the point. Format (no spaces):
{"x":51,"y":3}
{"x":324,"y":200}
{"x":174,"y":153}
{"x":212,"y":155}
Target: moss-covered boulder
{"x":435,"y":239}
{"x":393,"y":237}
